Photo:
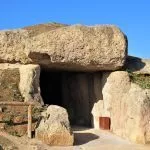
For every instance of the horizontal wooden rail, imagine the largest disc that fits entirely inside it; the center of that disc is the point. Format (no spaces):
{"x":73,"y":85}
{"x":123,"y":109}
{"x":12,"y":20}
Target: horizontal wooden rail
{"x":29,"y":104}
{"x":16,"y":103}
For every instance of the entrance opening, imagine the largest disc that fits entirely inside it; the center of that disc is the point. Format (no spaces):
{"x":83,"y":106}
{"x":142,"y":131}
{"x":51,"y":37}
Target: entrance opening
{"x":75,"y":91}
{"x":50,"y":83}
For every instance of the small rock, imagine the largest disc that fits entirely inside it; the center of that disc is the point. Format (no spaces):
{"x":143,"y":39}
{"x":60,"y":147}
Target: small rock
{"x":54,"y":129}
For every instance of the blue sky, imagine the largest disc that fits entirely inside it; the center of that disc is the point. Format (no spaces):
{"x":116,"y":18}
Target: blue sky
{"x":132,"y":16}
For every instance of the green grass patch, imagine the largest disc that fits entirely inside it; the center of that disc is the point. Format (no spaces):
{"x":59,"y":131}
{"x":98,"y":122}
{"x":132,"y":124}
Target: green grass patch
{"x":143,"y":80}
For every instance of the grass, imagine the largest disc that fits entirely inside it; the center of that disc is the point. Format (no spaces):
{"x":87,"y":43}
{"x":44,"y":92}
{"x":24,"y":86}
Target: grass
{"x":36,"y":113}
{"x":8,"y":120}
{"x":143,"y":80}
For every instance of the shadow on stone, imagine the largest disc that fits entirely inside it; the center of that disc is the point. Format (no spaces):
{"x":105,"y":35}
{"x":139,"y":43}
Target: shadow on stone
{"x":134,"y":63}
{"x":1,"y":148}
{"x":83,"y":138}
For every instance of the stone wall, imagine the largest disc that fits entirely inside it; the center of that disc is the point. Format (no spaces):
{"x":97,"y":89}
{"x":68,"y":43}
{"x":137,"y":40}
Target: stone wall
{"x":80,"y":92}
{"x":127,"y":104}
{"x":9,"y":85}
{"x":18,"y":83}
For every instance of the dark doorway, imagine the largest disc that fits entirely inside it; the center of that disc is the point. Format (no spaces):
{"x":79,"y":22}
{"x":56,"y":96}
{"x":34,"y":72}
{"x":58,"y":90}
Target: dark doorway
{"x":50,"y":83}
{"x":75,"y":91}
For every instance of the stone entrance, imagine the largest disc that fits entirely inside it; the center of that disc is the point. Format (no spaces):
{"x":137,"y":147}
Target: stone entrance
{"x":75,"y":91}
{"x":98,"y":78}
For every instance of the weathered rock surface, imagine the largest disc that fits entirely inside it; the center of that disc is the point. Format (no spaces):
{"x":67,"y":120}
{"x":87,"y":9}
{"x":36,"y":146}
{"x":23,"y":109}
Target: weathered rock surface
{"x":97,"y":111}
{"x":128,"y":106}
{"x":20,"y":82}
{"x":29,"y":83}
{"x":65,"y":47}
{"x":9,"y":84}
{"x":138,"y":65}
{"x":6,"y":144}
{"x":54,"y":129}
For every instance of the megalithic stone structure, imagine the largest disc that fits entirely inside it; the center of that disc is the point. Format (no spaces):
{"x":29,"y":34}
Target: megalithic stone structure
{"x":77,"y":47}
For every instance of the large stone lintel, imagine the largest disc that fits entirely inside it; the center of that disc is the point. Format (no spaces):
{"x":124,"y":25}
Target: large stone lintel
{"x":77,"y":47}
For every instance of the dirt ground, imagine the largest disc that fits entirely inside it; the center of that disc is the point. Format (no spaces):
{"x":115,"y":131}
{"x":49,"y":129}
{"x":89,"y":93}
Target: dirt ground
{"x":85,"y":139}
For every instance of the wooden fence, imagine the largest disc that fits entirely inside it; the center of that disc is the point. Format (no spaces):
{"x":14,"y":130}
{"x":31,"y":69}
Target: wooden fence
{"x":29,"y":104}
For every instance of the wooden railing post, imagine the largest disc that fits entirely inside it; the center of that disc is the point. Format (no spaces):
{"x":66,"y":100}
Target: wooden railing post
{"x":29,"y":113}
{"x":30,"y":121}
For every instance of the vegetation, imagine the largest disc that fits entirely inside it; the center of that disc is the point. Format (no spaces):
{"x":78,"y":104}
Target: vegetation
{"x":8,"y":119}
{"x":36,"y":113}
{"x":143,"y":80}
{"x":14,"y":133}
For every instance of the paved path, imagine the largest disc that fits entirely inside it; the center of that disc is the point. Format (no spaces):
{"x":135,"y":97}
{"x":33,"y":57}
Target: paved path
{"x":91,"y":139}
{"x":85,"y":139}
